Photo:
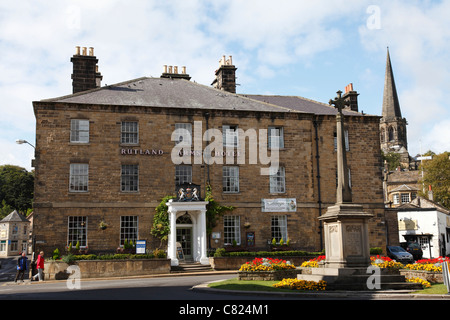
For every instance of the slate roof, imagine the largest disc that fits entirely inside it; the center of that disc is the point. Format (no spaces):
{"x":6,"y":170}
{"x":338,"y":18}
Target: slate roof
{"x":14,"y":217}
{"x":300,"y":104}
{"x":180,"y":93}
{"x":168,"y":93}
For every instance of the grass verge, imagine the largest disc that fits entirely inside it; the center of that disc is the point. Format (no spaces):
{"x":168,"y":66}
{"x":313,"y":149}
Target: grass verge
{"x":252,"y":285}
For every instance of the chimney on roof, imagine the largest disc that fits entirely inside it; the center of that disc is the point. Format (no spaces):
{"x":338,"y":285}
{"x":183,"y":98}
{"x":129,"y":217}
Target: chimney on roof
{"x":85,"y":74}
{"x":172,"y":73}
{"x":225,"y":75}
{"x":351,"y":96}
{"x":430,"y":193}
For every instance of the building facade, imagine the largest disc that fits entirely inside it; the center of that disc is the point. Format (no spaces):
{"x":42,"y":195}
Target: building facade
{"x":426,"y":223}
{"x":106,"y":156}
{"x":14,"y":234}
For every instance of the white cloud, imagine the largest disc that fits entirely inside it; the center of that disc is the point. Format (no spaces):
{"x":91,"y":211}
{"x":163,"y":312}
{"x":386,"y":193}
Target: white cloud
{"x":267,"y":40}
{"x":419,"y":39}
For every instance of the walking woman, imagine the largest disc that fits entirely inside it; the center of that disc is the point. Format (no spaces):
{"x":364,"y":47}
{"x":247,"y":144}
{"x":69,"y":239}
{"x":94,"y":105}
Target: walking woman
{"x":40,"y":267}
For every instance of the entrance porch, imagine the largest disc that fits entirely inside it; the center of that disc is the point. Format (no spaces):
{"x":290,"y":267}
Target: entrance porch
{"x":188,"y":228}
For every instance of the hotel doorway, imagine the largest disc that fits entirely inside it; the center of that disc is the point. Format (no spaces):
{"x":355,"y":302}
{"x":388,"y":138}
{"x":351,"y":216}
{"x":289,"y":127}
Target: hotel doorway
{"x":184,"y":235}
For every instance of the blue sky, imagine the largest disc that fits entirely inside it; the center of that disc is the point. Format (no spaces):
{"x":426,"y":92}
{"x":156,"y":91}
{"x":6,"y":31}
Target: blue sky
{"x":286,"y":47}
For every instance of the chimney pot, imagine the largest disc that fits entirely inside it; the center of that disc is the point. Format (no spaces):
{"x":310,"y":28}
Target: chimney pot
{"x":175,"y":69}
{"x":77,"y":50}
{"x":183,"y":69}
{"x":91,"y":51}
{"x":165,"y":68}
{"x":84,"y":51}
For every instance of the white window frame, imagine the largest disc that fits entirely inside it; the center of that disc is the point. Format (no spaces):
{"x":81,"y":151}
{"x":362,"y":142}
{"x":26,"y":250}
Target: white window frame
{"x":79,"y":131}
{"x":79,"y":177}
{"x":347,"y":145}
{"x":230,"y":136}
{"x":129,"y":180}
{"x":230,"y":179}
{"x":231,"y":229}
{"x":183,"y":174}
{"x":77,"y":230}
{"x":275,"y":139}
{"x":129,"y":132}
{"x":278,"y":228}
{"x":405,"y":198}
{"x":277,"y":181}
{"x":129,"y":229}
{"x":396,"y":198}
{"x":185,"y":133}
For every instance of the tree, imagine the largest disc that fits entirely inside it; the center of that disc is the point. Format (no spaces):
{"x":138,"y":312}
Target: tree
{"x":161,"y":224}
{"x":213,"y":212}
{"x":392,"y":159}
{"x":16,"y":188}
{"x":436,"y":173}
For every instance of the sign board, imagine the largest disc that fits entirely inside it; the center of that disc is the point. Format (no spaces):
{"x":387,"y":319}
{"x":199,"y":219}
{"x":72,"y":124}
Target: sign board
{"x":250,"y":239}
{"x":180,"y":253}
{"x":140,"y":246}
{"x":279,"y":205}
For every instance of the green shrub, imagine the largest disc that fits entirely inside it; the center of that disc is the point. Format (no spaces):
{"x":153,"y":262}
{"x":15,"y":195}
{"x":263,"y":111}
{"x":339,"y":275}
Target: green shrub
{"x":56,"y":254}
{"x":376,"y":250}
{"x":69,"y":258}
{"x":220,"y":252}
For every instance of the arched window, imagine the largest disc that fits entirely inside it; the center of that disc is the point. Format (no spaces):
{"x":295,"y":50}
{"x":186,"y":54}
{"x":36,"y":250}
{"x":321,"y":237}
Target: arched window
{"x":184,"y":219}
{"x":391,"y":133}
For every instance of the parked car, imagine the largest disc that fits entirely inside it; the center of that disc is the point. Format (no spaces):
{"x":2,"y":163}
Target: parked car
{"x":399,"y":254}
{"x":415,"y":249}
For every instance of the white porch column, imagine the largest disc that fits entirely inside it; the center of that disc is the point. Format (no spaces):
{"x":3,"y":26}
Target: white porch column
{"x":202,"y":235}
{"x":172,"y":243}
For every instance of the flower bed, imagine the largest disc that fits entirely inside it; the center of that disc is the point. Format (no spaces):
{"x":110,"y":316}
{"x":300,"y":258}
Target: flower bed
{"x":303,"y":285}
{"x":424,"y":271}
{"x":267,"y":264}
{"x":267,"y":269}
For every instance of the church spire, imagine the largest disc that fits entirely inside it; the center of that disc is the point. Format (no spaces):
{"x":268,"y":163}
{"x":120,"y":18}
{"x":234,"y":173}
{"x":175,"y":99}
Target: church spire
{"x":391,"y":106}
{"x":392,"y":126}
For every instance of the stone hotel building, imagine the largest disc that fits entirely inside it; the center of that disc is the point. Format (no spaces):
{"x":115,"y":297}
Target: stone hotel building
{"x":107,"y":155}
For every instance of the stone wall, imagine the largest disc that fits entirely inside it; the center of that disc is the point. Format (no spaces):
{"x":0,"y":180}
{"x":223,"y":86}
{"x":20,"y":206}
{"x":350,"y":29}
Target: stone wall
{"x":432,"y":277}
{"x":268,"y":275}
{"x":57,"y":270}
{"x":234,"y":263}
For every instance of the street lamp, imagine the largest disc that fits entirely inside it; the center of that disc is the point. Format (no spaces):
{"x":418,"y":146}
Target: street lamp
{"x":20,"y":141}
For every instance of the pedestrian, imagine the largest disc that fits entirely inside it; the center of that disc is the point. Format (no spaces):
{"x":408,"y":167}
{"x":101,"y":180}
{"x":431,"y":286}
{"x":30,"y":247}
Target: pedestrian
{"x":21,"y":267}
{"x":40,"y":267}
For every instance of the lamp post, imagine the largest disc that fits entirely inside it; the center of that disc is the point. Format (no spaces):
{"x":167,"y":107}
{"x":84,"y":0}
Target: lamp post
{"x":20,"y":141}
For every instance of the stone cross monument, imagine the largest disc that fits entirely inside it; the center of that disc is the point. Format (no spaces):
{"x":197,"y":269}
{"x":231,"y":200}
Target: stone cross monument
{"x":345,"y":223}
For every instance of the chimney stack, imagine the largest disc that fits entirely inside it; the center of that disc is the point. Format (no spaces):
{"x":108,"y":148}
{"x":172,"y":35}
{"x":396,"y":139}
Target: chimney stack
{"x":430,"y":193}
{"x":351,"y":96}
{"x":225,"y":75}
{"x":171,"y":72}
{"x":85,"y":74}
